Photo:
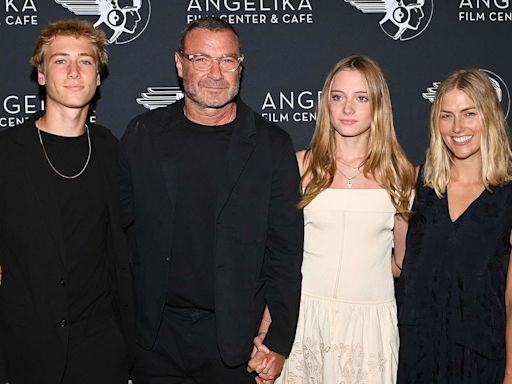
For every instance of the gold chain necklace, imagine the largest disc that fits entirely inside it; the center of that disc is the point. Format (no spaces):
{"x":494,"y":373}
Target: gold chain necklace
{"x":351,"y":166}
{"x":55,"y":169}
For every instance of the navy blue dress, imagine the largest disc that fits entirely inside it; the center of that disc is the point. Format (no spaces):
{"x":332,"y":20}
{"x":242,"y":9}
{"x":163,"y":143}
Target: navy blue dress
{"x":451,"y":305}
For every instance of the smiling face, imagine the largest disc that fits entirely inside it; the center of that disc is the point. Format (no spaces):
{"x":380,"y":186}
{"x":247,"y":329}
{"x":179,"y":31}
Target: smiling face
{"x":349,"y":105}
{"x":460,"y":125}
{"x":212,"y":88}
{"x":70,"y":72}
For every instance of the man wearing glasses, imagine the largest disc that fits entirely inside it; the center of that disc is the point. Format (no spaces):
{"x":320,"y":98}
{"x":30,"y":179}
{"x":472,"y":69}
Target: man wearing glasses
{"x":210,"y":191}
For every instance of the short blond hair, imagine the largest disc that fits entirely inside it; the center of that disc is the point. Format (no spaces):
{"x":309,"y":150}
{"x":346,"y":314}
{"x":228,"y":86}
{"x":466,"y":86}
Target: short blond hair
{"x":495,"y":139}
{"x":70,"y":27}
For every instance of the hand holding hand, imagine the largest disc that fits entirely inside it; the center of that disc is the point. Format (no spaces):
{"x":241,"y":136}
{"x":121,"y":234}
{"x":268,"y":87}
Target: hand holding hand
{"x":272,"y":370}
{"x":259,"y":354}
{"x":266,"y":363}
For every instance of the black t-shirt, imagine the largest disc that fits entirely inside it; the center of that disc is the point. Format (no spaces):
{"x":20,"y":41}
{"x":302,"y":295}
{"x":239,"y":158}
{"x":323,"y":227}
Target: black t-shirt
{"x":84,"y":216}
{"x":199,"y":153}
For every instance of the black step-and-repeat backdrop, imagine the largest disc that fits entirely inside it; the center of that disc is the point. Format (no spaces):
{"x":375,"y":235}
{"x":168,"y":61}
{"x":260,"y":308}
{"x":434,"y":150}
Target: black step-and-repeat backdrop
{"x":289,"y":46}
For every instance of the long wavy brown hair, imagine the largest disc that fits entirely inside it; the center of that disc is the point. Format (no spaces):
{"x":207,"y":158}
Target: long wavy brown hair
{"x":385,"y":159}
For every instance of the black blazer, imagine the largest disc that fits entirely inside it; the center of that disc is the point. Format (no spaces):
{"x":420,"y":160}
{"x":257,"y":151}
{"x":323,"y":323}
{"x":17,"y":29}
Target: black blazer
{"x":259,"y":230}
{"x":32,"y":300}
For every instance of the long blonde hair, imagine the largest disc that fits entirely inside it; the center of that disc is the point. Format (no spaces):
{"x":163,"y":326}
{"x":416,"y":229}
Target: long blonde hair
{"x":495,"y":139}
{"x":385,"y":159}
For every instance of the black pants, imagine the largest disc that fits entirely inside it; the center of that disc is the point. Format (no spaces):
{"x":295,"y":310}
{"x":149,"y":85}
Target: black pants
{"x":96,"y":353}
{"x":186,"y":352}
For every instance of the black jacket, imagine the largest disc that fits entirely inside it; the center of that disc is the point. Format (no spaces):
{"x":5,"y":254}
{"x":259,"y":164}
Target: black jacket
{"x":259,"y":230}
{"x":32,"y":300}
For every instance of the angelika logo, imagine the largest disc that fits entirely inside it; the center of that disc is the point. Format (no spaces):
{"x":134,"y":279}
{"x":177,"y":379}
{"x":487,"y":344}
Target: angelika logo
{"x":156,"y":97}
{"x":122,"y":20}
{"x":497,"y":82}
{"x":403,"y":19}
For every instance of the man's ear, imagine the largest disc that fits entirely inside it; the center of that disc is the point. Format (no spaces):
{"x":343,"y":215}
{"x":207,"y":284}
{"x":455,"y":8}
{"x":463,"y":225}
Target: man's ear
{"x":98,"y":79}
{"x":41,"y":77}
{"x":179,"y":66}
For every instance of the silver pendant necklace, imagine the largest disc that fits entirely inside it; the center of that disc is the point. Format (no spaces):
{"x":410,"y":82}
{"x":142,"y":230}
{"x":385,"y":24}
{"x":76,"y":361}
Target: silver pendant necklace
{"x":50,"y":163}
{"x":349,"y":179}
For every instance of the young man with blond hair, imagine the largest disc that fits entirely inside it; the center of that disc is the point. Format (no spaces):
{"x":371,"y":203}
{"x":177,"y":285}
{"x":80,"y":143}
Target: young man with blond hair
{"x":65,"y":305}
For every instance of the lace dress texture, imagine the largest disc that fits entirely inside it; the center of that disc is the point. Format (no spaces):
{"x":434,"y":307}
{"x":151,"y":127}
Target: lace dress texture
{"x":347,"y":329}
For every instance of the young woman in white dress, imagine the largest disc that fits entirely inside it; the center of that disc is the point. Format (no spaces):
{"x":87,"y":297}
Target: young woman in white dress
{"x":357,"y":183}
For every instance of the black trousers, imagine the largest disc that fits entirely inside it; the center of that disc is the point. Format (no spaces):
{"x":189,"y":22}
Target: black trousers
{"x":186,"y":352}
{"x":97,"y":353}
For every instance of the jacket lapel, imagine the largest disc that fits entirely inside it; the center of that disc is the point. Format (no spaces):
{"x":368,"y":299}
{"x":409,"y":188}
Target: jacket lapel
{"x":37,"y":174}
{"x":161,"y":137}
{"x":241,"y":146}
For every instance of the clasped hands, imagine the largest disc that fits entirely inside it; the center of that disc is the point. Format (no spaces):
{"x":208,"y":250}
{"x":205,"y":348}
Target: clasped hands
{"x":266,"y":363}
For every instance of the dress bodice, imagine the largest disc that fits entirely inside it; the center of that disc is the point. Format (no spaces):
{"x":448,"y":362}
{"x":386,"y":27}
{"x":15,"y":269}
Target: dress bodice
{"x":348,"y":243}
{"x":454,"y":272}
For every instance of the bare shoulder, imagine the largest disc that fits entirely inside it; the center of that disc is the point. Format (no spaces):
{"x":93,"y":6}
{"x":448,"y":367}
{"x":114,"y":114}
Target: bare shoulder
{"x":302,"y":160}
{"x":301,"y":155}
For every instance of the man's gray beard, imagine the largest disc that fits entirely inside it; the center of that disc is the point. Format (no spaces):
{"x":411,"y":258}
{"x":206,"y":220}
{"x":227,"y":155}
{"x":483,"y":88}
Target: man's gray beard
{"x":193,"y":97}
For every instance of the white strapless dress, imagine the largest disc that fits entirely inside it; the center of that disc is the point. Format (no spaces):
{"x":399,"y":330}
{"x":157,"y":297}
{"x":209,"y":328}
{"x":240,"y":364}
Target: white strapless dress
{"x":347,"y":329}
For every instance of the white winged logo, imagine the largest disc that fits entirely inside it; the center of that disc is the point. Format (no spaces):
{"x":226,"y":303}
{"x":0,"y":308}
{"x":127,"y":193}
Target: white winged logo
{"x":430,"y":95}
{"x":124,"y":23}
{"x":402,"y":19}
{"x":157,"y":97}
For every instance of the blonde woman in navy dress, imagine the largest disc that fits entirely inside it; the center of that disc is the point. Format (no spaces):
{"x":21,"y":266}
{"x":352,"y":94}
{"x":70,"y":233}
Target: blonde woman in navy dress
{"x":357,"y":184}
{"x":455,"y":291}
